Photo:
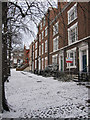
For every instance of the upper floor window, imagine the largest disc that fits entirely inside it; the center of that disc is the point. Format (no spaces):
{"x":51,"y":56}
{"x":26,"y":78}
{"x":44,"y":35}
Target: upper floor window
{"x":72,"y":34}
{"x":42,"y":48}
{"x":35,"y":53}
{"x":45,"y":31}
{"x":72,"y":14}
{"x":44,"y":22}
{"x":39,"y":37}
{"x":46,"y":61}
{"x":55,"y":29}
{"x":42,"y":63}
{"x":36,"y":45}
{"x":41,"y":25}
{"x":55,"y":43}
{"x":35,"y":64}
{"x":45,"y":46}
{"x":42,"y":34}
{"x":33,"y":47}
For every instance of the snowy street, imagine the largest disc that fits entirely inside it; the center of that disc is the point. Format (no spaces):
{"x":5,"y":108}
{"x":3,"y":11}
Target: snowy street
{"x":33,"y":96}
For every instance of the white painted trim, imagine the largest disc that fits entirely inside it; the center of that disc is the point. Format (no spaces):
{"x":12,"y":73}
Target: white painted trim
{"x":57,"y":43}
{"x":61,"y":54}
{"x":71,"y":67}
{"x":54,"y":31}
{"x":81,"y":48}
{"x":54,"y":56}
{"x":71,"y":28}
{"x":73,"y":49}
{"x":71,"y":44}
{"x":68,"y":52}
{"x":69,"y":12}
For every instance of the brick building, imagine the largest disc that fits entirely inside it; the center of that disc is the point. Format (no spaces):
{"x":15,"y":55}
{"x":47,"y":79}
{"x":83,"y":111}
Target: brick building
{"x":64,"y":32}
{"x":30,"y":56}
{"x":26,"y":55}
{"x":17,"y":58}
{"x":35,"y":55}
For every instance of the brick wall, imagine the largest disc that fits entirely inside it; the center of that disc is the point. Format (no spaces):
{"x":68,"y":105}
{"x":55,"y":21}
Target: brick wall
{"x":60,"y":15}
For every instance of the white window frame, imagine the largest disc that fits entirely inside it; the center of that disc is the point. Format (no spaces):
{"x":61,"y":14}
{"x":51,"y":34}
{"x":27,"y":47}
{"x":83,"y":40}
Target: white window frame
{"x":42,"y":63}
{"x":75,"y":13}
{"x":45,"y":61}
{"x":42,"y":35}
{"x":15,"y":60}
{"x":39,"y":37}
{"x":46,"y":31}
{"x":42,"y":48}
{"x":39,"y":50}
{"x":33,"y":55}
{"x":40,"y":25}
{"x":36,"y":53}
{"x":53,"y":59}
{"x":44,"y":21}
{"x":45,"y":46}
{"x":35,"y":64}
{"x":74,"y":59}
{"x":39,"y":60}
{"x":76,"y":33}
{"x":55,"y":44}
{"x":55,"y":28}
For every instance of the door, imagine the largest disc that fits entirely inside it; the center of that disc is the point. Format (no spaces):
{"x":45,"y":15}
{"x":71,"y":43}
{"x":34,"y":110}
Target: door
{"x":39,"y":64}
{"x":84,"y":61}
{"x":61,"y":63}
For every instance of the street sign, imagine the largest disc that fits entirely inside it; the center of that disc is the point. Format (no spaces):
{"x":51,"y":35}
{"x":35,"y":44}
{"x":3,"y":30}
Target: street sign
{"x":69,"y":60}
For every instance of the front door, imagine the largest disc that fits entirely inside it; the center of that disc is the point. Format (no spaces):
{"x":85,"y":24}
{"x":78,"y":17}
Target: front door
{"x":61,"y":63}
{"x":84,"y":61}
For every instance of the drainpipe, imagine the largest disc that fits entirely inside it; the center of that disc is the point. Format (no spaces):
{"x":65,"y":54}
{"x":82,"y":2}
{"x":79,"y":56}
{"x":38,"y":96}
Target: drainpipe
{"x":1,"y":57}
{"x":89,"y":57}
{"x":48,"y":35}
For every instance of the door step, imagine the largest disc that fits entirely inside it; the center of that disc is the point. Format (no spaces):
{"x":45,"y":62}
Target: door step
{"x":76,"y":78}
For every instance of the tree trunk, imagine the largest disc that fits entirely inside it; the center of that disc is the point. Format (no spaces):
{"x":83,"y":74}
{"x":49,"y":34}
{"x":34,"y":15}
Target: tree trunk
{"x":4,"y":57}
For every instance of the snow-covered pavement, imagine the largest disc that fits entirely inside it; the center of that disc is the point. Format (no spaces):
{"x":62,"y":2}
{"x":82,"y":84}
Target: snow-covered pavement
{"x":32,"y":96}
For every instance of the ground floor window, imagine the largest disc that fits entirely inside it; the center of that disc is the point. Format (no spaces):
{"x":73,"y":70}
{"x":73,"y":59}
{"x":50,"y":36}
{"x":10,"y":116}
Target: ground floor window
{"x":71,"y":54}
{"x":35,"y":64}
{"x":46,"y":61}
{"x":54,"y":59}
{"x":42,"y":63}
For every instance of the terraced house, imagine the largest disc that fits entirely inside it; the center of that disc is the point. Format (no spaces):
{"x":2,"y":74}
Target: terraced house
{"x":65,"y":32}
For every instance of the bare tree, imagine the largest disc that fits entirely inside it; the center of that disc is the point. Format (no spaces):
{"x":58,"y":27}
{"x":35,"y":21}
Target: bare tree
{"x":17,"y":18}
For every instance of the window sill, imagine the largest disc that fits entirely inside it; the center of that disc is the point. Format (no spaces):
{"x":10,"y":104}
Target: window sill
{"x":71,"y":67}
{"x":73,"y":43}
{"x":72,"y":21}
{"x":55,"y":50}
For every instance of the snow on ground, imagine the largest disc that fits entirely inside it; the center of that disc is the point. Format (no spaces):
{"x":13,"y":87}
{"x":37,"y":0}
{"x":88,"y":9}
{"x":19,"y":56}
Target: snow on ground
{"x":32,"y":96}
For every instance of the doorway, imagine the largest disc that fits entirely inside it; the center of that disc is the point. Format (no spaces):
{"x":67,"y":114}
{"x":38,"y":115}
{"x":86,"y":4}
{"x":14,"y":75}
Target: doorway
{"x":84,"y":61}
{"x":61,"y":63}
